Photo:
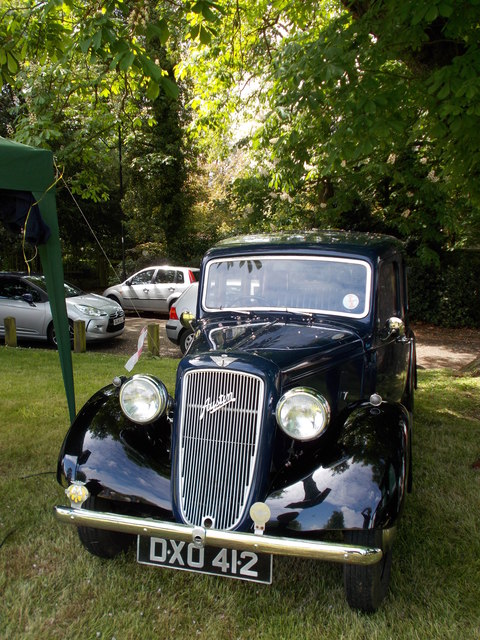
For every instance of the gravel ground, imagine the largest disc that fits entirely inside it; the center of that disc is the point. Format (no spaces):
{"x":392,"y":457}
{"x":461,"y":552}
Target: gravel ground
{"x":437,"y":347}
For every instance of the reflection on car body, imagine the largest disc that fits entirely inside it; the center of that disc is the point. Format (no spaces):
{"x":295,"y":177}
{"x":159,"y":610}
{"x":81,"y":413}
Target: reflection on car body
{"x":291,"y":423}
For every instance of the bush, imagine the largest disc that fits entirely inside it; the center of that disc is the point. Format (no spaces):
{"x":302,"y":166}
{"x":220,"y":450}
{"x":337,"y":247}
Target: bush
{"x":446,"y":295}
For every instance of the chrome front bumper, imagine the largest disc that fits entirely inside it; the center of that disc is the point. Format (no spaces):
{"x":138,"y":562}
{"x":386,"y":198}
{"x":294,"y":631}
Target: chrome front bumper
{"x":330,"y":551}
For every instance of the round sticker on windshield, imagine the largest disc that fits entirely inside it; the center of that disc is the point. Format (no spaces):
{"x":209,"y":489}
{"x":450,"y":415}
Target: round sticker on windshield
{"x":351,"y":301}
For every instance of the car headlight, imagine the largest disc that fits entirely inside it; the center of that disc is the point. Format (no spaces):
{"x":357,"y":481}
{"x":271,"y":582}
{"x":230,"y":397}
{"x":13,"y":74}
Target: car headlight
{"x":90,"y":311}
{"x":303,"y":413}
{"x":143,"y":399}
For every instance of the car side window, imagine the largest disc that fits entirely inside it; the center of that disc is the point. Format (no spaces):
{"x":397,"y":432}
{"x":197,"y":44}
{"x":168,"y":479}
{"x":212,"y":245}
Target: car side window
{"x":388,"y":292}
{"x":144,"y":277}
{"x":15,"y":289}
{"x":165,"y":276}
{"x":180,"y":278}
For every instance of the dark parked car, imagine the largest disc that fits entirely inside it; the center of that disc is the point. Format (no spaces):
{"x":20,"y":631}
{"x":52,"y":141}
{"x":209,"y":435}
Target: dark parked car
{"x":290,"y":431}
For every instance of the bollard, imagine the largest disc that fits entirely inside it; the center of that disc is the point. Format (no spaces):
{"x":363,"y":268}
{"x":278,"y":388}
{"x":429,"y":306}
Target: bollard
{"x":10,"y":332}
{"x":79,"y":336}
{"x":153,"y":337}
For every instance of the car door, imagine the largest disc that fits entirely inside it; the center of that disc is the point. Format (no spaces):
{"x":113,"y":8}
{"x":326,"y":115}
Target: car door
{"x":136,"y":290}
{"x":393,"y":346}
{"x":162,"y":288}
{"x":30,"y":315}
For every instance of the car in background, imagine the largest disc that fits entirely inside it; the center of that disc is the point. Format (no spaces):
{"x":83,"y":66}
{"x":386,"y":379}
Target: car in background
{"x":25,"y":298}
{"x":176,"y":332}
{"x":153,"y":288}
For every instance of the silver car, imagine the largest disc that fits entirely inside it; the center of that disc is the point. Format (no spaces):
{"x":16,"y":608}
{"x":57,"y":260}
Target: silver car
{"x":153,"y":288}
{"x":176,"y":333}
{"x":24,"y":297}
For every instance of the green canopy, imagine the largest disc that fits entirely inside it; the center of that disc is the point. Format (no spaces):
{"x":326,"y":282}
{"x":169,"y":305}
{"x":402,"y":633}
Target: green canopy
{"x":24,"y":168}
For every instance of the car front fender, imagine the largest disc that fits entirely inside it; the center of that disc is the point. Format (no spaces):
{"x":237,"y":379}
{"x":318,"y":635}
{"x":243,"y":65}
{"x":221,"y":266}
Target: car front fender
{"x":116,"y":458}
{"x":361,"y":482}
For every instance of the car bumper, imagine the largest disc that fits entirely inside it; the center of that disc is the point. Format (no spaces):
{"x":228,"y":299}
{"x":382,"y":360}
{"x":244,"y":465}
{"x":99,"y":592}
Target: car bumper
{"x":173,"y":332}
{"x":318,"y":550}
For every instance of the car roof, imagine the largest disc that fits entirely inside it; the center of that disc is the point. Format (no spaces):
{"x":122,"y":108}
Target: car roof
{"x":168,"y":266}
{"x":369,"y":245}
{"x":20,"y":274}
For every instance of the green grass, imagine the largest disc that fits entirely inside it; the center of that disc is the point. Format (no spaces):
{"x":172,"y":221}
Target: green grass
{"x":51,"y":588}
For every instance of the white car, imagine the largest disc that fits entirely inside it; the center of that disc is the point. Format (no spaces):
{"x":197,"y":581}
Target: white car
{"x":24,"y":297}
{"x":153,"y":288}
{"x":177,"y":333}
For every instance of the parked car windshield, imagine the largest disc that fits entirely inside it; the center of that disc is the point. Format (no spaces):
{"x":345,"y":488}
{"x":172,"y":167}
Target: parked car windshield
{"x":333,"y":286}
{"x":69,"y":290}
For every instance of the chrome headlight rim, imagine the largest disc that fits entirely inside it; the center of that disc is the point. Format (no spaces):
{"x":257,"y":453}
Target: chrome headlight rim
{"x":319,"y":407}
{"x":143,"y":398}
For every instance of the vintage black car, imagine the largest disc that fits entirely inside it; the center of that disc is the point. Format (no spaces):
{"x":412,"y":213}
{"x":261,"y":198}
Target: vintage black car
{"x":290,"y":430}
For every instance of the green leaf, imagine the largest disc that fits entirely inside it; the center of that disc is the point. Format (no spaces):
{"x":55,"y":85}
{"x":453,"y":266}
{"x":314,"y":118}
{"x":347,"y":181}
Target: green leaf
{"x":445,"y":9}
{"x":3,"y":57}
{"x":205,"y":36}
{"x":126,"y":61}
{"x":150,"y":69}
{"x":153,"y":90}
{"x":158,"y":30}
{"x":171,"y":88}
{"x":12,"y":64}
{"x":444,"y":91}
{"x":97,"y":40}
{"x":85,"y":44}
{"x":432,"y":14}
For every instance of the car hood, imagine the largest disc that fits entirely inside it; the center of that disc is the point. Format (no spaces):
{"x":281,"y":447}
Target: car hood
{"x":288,"y":343}
{"x":94,"y":300}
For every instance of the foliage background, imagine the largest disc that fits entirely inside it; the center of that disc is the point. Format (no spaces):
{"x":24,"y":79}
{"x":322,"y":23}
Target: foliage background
{"x":178,"y":123}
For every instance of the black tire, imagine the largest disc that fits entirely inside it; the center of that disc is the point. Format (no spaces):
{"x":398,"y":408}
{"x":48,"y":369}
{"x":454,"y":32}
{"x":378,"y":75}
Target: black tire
{"x":186,"y":340}
{"x":100,"y":542}
{"x":115,"y":299}
{"x":52,"y":339}
{"x":367,"y":586}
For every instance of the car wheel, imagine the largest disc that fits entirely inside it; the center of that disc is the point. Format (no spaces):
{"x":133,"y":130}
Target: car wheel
{"x":115,"y":299}
{"x":186,"y":340}
{"x":52,"y":338}
{"x":367,"y":586}
{"x":100,"y":542}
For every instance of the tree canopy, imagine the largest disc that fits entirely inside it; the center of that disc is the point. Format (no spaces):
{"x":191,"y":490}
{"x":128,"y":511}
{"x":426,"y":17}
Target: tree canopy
{"x":263,"y":114}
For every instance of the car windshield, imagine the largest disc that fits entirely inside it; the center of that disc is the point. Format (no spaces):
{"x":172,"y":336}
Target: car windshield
{"x":332,"y":286}
{"x":69,"y":290}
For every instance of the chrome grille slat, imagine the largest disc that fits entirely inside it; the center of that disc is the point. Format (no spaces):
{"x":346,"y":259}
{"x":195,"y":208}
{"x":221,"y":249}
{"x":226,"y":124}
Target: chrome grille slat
{"x":214,"y":441}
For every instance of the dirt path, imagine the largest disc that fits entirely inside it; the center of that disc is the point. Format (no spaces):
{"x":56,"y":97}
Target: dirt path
{"x":436,"y":347}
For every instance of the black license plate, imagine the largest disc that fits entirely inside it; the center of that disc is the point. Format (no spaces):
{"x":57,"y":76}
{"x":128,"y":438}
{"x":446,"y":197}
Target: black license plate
{"x":177,"y":554}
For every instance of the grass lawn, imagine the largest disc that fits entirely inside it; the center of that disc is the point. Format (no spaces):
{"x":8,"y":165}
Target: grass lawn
{"x":51,"y":588}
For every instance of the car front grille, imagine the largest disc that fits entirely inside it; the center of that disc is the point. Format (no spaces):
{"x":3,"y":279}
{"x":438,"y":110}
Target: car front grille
{"x":115,"y":326}
{"x":219,"y":435}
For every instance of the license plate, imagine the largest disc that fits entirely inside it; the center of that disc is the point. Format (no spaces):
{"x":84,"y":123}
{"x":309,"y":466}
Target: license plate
{"x":231,"y":563}
{"x":118,"y":321}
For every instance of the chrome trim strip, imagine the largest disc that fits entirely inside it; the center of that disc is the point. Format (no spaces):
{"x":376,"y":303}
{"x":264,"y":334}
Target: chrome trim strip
{"x":318,"y":550}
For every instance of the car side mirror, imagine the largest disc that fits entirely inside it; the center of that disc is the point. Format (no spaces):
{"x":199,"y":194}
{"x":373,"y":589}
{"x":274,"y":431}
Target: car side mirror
{"x":394,"y":328}
{"x":187,"y":319}
{"x":28,"y":298}
{"x":128,"y":283}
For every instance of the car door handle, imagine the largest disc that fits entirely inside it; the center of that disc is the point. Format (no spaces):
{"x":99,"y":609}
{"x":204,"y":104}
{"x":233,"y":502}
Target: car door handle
{"x":146,"y":290}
